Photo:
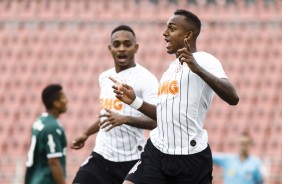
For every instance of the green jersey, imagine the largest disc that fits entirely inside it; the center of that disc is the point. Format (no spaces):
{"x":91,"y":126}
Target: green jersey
{"x":48,"y":140}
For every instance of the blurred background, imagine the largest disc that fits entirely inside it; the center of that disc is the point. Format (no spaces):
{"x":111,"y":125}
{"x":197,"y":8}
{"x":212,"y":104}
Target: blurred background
{"x":65,"y":41}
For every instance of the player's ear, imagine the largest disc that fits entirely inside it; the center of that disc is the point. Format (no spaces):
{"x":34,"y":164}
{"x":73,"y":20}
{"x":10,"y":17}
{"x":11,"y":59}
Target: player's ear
{"x":189,"y":35}
{"x":109,"y":47}
{"x":136,"y":47}
{"x":56,"y":104}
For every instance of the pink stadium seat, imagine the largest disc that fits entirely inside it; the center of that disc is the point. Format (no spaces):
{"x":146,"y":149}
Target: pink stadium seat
{"x":8,"y":9}
{"x":230,"y":144}
{"x":236,"y":127}
{"x":276,"y":129}
{"x":2,"y":8}
{"x":216,"y":129}
{"x":268,"y":13}
{"x":25,"y":10}
{"x":227,"y":13}
{"x":277,"y":113}
{"x":274,"y":146}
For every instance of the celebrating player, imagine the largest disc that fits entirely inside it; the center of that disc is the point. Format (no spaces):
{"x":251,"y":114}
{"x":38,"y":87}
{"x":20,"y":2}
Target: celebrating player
{"x":120,"y":138}
{"x":177,"y":151}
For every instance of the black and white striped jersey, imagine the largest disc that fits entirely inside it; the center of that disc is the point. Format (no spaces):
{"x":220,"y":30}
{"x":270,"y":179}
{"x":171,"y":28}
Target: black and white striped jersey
{"x":184,"y":99}
{"x":124,"y":143}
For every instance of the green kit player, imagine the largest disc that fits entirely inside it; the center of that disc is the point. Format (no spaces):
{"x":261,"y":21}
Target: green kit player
{"x":46,"y":161}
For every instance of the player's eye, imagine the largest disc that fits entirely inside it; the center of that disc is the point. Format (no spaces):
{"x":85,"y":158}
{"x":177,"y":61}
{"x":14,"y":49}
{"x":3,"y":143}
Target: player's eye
{"x":116,"y":44}
{"x":127,"y":44}
{"x":171,"y":28}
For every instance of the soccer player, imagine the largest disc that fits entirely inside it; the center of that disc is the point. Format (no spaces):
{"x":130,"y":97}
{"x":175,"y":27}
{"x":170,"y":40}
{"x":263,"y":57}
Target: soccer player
{"x":241,"y":168}
{"x":120,"y":138}
{"x":46,"y":162}
{"x":177,"y":151}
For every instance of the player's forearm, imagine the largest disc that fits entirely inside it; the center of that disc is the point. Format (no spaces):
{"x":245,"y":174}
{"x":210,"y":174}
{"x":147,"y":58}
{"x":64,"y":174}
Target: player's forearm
{"x":141,"y":122}
{"x":93,"y":129}
{"x":149,"y":110}
{"x":222,"y":87}
{"x":57,"y":170}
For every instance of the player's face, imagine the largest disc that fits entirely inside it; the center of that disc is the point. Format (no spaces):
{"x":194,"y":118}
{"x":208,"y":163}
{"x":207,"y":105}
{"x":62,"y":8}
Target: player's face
{"x":61,"y":103}
{"x":123,"y":48}
{"x":244,"y":144}
{"x":177,"y":29}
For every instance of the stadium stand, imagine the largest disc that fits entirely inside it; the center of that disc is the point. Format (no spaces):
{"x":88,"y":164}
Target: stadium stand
{"x":66,"y":42}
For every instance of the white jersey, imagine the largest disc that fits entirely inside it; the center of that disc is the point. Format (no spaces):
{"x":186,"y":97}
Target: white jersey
{"x":124,"y":143}
{"x":184,"y":99}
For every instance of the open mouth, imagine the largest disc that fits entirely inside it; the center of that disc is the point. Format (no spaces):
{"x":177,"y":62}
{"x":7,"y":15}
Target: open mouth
{"x":168,"y":42}
{"x":122,"y":57}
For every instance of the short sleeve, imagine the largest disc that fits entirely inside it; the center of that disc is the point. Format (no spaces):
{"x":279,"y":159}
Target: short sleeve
{"x":210,"y":63}
{"x":54,"y":145}
{"x":102,"y":78}
{"x":150,"y":89}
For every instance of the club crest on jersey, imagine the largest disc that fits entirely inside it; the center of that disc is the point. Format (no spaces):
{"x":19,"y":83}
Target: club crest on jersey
{"x":179,"y":68}
{"x":168,"y":87}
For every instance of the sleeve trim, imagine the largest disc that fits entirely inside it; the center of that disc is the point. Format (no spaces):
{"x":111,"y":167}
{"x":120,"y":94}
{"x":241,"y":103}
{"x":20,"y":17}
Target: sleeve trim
{"x":54,"y":155}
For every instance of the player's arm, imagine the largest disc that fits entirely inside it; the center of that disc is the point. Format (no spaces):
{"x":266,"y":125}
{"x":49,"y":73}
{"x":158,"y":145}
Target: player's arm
{"x":112,"y":119}
{"x":55,"y":149}
{"x":56,"y":170}
{"x":149,"y":110}
{"x":79,"y":141}
{"x":222,"y":87}
{"x":141,"y":122}
{"x":219,"y":159}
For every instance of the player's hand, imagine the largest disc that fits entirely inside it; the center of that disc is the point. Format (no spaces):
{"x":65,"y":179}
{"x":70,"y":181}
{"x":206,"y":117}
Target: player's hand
{"x":124,"y":92}
{"x":78,"y":143}
{"x":185,"y":56}
{"x":111,"y":120}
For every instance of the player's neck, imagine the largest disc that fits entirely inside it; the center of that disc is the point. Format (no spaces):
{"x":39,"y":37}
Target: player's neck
{"x":119,"y":69}
{"x":244,"y":156}
{"x":193,"y":47}
{"x":53,"y":112}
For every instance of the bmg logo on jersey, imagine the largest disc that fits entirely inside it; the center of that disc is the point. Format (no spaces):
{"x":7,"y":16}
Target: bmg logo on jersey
{"x":111,"y":103}
{"x":168,"y":87}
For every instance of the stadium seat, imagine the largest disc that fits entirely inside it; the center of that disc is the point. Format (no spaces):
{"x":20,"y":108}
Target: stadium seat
{"x":230,"y":144}
{"x":216,"y":131}
{"x":274,"y":144}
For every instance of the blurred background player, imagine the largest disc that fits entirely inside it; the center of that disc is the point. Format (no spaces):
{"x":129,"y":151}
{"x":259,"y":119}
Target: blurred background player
{"x":241,"y":168}
{"x":46,"y":162}
{"x":178,"y":151}
{"x":120,"y":138}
